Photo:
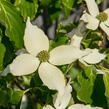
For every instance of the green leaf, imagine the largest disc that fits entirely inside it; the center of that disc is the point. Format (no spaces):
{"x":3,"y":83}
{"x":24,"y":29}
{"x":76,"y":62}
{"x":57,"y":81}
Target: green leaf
{"x":10,"y":53}
{"x":16,"y":97}
{"x":27,"y":8}
{"x":86,"y":80}
{"x":51,"y":9}
{"x":99,"y":1}
{"x":45,"y":2}
{"x":11,"y":19}
{"x":73,"y":73}
{"x":60,"y":41}
{"x":65,"y":28}
{"x":5,"y":96}
{"x":2,"y":53}
{"x":1,"y":35}
{"x":44,"y":94}
{"x":54,"y":10}
{"x":106,"y":82}
{"x":35,"y":81}
{"x":68,"y":4}
{"x":92,"y":39}
{"x":98,"y":95}
{"x":39,"y":106}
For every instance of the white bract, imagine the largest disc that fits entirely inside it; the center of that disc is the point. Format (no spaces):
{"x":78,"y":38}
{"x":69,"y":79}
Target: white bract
{"x":91,"y":56}
{"x":96,"y":18}
{"x":75,"y":106}
{"x":61,"y":101}
{"x":76,"y":40}
{"x":82,"y":106}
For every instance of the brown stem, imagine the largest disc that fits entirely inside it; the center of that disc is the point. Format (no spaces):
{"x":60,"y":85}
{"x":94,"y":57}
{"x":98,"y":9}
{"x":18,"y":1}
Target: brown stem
{"x":18,"y":85}
{"x":104,"y":44}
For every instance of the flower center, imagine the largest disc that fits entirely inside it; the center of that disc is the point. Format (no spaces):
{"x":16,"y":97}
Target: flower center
{"x":43,"y":56}
{"x":102,"y":16}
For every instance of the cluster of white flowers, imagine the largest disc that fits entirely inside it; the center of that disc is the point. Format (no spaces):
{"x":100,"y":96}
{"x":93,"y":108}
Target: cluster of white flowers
{"x":39,"y":57}
{"x":96,"y":18}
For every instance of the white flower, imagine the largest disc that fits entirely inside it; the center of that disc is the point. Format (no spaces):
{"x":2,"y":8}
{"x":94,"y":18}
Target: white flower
{"x":96,"y":18}
{"x":37,"y":46}
{"x":91,"y":56}
{"x":48,"y":107}
{"x":62,"y":101}
{"x":82,"y":106}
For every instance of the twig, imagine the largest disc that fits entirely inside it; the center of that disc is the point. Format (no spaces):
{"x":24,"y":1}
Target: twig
{"x":18,"y":85}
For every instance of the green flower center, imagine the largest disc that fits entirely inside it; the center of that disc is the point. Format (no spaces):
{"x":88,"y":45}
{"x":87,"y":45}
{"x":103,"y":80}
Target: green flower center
{"x":43,"y":56}
{"x":102,"y":16}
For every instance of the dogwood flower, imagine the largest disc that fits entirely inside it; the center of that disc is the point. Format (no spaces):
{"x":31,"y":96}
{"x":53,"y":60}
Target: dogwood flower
{"x":39,"y":57}
{"x":96,"y":18}
{"x":92,"y":55}
{"x":61,"y":101}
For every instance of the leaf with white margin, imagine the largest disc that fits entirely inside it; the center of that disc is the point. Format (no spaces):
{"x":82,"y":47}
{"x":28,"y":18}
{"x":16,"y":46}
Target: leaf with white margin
{"x":93,"y":57}
{"x":48,"y":107}
{"x":62,"y":101}
{"x":34,"y":39}
{"x":24,"y":64}
{"x":81,"y":106}
{"x":92,"y":7}
{"x":52,"y":77}
{"x":92,"y":23}
{"x":65,"y":54}
{"x":76,"y":40}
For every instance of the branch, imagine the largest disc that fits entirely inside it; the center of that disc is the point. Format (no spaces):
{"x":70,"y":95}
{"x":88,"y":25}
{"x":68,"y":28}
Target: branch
{"x":18,"y":85}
